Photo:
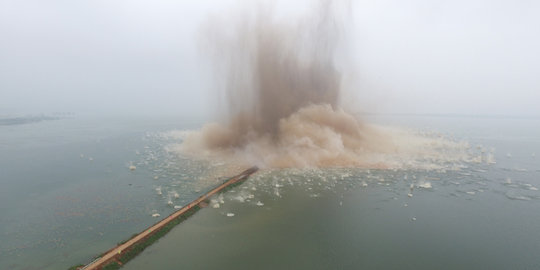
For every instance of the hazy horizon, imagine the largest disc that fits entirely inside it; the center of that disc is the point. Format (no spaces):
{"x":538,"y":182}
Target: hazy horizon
{"x":141,"y":57}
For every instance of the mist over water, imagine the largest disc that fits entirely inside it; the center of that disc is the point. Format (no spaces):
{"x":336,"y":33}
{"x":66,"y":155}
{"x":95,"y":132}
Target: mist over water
{"x":280,"y":88}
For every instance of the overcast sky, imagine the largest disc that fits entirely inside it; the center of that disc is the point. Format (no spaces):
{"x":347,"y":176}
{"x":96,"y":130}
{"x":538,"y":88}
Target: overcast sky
{"x":121,"y":56}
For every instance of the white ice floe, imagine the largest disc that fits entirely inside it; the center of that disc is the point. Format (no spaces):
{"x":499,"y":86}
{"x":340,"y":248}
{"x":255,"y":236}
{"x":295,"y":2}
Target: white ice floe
{"x":470,"y":192}
{"x":364,"y":184}
{"x":230,"y":214}
{"x":410,"y":195}
{"x":424,"y":185}
{"x":177,"y":206}
{"x":156,"y":215}
{"x":259,"y":203}
{"x":132,"y":167}
{"x":215,"y":205}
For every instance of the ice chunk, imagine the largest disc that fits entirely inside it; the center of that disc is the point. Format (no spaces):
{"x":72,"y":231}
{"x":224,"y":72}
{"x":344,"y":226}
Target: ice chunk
{"x":424,"y":185}
{"x":132,"y":167}
{"x":156,"y":215}
{"x":230,"y":214}
{"x":215,"y":205}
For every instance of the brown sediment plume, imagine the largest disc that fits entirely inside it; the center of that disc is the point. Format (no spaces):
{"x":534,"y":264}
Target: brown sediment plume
{"x":281,"y":88}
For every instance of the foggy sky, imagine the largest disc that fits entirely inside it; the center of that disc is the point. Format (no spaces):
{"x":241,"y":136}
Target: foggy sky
{"x":142,"y":57}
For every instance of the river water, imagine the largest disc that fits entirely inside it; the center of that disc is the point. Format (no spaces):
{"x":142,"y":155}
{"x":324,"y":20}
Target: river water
{"x":68,"y":194}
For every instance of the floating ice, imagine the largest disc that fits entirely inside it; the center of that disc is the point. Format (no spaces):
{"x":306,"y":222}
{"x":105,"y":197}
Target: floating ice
{"x":470,"y":192}
{"x":230,"y":214}
{"x":156,"y":215}
{"x":132,"y":167}
{"x":177,"y":206}
{"x":424,"y":185}
{"x":364,"y":184}
{"x":259,"y":203}
{"x":410,"y":195}
{"x":215,"y":205}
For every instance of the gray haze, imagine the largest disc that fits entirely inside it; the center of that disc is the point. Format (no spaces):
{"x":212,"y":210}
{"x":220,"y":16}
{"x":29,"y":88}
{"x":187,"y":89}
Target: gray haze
{"x":126,"y":57}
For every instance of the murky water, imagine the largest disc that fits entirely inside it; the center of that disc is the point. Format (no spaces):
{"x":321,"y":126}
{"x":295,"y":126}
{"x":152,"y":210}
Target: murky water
{"x":68,"y":194}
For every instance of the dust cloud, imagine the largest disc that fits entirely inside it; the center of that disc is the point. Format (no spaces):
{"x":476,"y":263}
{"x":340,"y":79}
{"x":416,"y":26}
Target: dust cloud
{"x":281,"y":83}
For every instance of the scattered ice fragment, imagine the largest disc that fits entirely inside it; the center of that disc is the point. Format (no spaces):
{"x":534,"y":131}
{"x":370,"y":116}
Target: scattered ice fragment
{"x":259,"y":203}
{"x":410,"y":195}
{"x":169,"y":202}
{"x":155,"y":177}
{"x":533,"y":188}
{"x":132,"y":167}
{"x":425,"y":185}
{"x":91,"y":159}
{"x":156,"y":215}
{"x":177,"y":206}
{"x":215,"y":205}
{"x":364,"y":184}
{"x":413,"y":218}
{"x":405,"y":205}
{"x":230,"y":214}
{"x":176,"y":196}
{"x":253,"y":188}
{"x":470,"y":192}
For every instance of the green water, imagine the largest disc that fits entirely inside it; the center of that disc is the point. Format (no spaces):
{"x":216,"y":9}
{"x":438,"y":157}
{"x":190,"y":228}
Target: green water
{"x":68,"y":195}
{"x":484,"y":216}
